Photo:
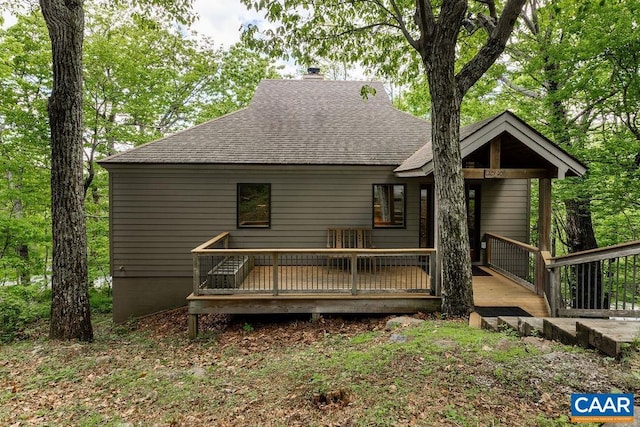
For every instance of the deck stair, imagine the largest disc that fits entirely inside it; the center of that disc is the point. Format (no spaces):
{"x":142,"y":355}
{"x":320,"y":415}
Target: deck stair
{"x":609,"y":336}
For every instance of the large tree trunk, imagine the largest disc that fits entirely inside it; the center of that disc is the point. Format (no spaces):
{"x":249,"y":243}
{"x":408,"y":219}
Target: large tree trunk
{"x":453,"y":234}
{"x":70,"y":314}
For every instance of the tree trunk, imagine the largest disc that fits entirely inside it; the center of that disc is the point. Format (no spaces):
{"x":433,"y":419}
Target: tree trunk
{"x":70,"y":314}
{"x":579,"y":227}
{"x":581,"y":237}
{"x":453,"y":234}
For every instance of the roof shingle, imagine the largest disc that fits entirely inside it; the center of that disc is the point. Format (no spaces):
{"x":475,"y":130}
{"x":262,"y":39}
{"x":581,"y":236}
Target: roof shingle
{"x":296,"y":122}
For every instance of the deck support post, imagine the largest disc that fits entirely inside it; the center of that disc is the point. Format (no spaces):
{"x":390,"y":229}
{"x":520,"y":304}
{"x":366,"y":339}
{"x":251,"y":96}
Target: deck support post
{"x":193,"y":326}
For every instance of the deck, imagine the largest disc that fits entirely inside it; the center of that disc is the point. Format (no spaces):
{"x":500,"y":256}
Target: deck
{"x":377,"y":297}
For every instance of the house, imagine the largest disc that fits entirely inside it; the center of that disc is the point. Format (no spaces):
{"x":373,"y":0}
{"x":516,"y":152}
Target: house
{"x":307,"y":156}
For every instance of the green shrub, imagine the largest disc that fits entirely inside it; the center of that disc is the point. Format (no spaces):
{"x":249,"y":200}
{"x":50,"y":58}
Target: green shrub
{"x":100,"y":300}
{"x":24,"y":304}
{"x":11,"y":308}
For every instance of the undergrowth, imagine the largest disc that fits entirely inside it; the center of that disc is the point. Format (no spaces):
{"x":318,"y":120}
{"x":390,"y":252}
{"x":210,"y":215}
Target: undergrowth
{"x":21,"y":305}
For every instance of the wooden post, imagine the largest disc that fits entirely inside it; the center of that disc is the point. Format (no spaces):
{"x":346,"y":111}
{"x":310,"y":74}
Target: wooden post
{"x":196,"y":274}
{"x":354,"y":273}
{"x":544,"y":214}
{"x":433,"y":273}
{"x":494,"y":153}
{"x":544,"y":231}
{"x":193,"y":326}
{"x":274,"y":257}
{"x":552,"y":294}
{"x":487,"y":256}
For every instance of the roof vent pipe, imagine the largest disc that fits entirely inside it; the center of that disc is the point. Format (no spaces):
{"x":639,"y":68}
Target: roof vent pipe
{"x":313,"y":73}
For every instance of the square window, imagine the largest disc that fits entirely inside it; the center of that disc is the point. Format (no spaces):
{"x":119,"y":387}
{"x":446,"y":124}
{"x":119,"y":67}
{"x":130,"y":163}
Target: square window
{"x":254,"y":205}
{"x":388,"y":205}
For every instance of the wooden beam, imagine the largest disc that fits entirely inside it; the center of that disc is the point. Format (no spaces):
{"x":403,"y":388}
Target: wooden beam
{"x":494,"y":153}
{"x":489,"y":173}
{"x":544,"y":214}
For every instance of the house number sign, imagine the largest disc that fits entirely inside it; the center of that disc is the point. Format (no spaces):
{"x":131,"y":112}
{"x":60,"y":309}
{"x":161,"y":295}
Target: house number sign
{"x":494,"y":173}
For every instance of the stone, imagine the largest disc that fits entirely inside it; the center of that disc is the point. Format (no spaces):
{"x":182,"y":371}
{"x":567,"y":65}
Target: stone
{"x":402,"y":321}
{"x":635,"y":423}
{"x":398,"y":338}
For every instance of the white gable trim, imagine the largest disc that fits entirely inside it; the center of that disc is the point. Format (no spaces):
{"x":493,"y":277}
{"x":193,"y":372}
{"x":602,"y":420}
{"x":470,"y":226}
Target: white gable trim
{"x":509,"y":123}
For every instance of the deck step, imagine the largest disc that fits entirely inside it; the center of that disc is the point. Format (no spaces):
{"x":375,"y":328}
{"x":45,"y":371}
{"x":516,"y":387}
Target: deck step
{"x":560,"y":329}
{"x":531,"y":326}
{"x":509,"y":322}
{"x":610,"y":337}
{"x":489,"y":323}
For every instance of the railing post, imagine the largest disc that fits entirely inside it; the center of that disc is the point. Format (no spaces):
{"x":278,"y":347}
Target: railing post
{"x":539,"y":274}
{"x":433,"y":274}
{"x":556,"y":298}
{"x":552,"y":293}
{"x":274,"y":256}
{"x":354,"y":273}
{"x":488,"y":250}
{"x":196,"y":274}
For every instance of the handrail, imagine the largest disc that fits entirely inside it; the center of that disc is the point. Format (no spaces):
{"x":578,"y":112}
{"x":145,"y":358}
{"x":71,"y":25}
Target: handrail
{"x":598,"y":254}
{"x":599,"y":282}
{"x":525,"y":246}
{"x":320,"y":251}
{"x":211,"y":242}
{"x":310,"y":269}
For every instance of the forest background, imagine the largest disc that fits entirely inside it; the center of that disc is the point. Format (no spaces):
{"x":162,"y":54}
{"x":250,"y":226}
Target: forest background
{"x":571,"y":70}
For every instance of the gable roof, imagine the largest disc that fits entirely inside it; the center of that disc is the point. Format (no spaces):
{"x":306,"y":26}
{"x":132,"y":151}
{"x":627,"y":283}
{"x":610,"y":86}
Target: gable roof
{"x":323,"y":122}
{"x":474,"y":136}
{"x":296,"y":122}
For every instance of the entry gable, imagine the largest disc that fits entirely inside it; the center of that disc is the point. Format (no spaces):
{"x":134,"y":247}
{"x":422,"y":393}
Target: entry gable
{"x":501,"y":143}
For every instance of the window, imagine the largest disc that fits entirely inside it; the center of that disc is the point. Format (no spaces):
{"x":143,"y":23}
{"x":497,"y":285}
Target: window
{"x":254,"y":205}
{"x":388,"y":205}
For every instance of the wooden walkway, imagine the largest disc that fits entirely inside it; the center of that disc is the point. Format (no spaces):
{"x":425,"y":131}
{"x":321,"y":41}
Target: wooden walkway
{"x":496,"y":290}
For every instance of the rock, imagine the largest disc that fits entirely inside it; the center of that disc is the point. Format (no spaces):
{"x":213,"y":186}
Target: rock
{"x":398,"y":338}
{"x":402,"y":321}
{"x":102,"y":360}
{"x":635,"y":423}
{"x":198,"y":372}
{"x":475,"y":320}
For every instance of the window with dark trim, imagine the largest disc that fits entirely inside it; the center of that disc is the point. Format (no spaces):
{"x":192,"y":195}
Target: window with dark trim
{"x":389,"y":205}
{"x":254,"y":205}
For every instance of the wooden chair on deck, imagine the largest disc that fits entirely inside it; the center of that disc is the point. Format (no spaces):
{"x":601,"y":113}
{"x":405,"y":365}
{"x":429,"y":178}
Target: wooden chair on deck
{"x":350,"y":238}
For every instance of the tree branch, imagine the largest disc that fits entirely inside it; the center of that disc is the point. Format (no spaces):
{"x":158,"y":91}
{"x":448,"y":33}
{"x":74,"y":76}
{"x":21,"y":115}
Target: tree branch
{"x":403,"y":27}
{"x":491,"y":4}
{"x":426,"y":23}
{"x":492,"y":49}
{"x":521,"y":90}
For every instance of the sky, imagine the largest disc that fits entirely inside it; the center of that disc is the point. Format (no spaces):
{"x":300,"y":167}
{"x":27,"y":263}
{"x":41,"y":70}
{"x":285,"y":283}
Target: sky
{"x":221,"y":20}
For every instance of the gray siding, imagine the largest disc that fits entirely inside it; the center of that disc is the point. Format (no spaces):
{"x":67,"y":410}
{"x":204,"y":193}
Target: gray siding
{"x":505,"y":208}
{"x":160,"y":213}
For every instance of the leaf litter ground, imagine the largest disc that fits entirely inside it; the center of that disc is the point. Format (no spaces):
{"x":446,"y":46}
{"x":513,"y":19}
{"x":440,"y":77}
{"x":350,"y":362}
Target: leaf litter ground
{"x":285,"y":370}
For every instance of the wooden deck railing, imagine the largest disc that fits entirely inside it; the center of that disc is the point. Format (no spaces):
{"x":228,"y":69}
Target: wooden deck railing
{"x":601,"y":282}
{"x":519,"y":261}
{"x":218,"y":269}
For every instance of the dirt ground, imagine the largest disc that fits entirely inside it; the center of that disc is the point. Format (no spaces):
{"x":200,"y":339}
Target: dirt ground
{"x":285,"y":370}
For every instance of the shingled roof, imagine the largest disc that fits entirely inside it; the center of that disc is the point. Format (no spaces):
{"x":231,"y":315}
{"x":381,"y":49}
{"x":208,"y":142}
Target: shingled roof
{"x":296,"y":122}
